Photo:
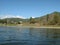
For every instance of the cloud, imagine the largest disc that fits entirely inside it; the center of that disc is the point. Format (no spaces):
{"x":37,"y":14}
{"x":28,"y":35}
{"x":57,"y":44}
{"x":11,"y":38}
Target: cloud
{"x":11,"y":16}
{"x":33,"y":17}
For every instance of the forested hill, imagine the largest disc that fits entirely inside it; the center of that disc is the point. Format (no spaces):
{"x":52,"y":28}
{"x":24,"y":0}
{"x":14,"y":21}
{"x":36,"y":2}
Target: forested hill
{"x":10,"y":20}
{"x":52,"y":19}
{"x":49,"y":19}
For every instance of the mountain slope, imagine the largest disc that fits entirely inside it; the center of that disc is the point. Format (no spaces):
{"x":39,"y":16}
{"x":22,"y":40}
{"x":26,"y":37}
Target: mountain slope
{"x":49,"y":19}
{"x":55,"y":16}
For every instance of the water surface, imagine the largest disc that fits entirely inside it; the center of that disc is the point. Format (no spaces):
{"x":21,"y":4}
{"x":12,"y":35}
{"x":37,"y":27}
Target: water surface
{"x":29,"y":36}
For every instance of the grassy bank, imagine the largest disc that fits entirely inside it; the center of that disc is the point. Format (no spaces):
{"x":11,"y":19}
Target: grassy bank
{"x":39,"y":26}
{"x":31,"y":25}
{"x":8,"y":24}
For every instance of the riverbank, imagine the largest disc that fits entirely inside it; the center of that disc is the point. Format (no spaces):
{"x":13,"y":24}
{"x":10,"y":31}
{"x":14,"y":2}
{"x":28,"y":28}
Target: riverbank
{"x":30,"y":26}
{"x":48,"y":27}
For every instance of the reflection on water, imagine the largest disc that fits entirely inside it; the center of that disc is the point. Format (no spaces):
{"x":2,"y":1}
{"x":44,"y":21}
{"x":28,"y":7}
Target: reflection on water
{"x":29,"y":36}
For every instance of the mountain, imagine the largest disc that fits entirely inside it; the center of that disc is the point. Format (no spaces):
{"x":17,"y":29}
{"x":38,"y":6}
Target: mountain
{"x":10,"y":20}
{"x":48,"y":19}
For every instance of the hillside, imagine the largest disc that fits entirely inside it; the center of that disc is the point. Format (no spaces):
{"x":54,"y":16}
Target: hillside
{"x":49,"y":19}
{"x":53,"y":18}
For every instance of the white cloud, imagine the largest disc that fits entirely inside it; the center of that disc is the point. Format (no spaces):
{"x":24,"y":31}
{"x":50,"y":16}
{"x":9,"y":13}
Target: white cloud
{"x":33,"y":17}
{"x":11,"y":16}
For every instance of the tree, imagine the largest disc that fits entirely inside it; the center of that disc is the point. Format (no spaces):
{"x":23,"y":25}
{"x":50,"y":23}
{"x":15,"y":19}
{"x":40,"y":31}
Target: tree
{"x":32,"y":20}
{"x":47,"y":17}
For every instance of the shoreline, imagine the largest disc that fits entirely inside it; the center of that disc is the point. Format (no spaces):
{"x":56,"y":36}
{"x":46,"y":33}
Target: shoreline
{"x":48,"y":27}
{"x":25,"y":26}
{"x":55,"y":27}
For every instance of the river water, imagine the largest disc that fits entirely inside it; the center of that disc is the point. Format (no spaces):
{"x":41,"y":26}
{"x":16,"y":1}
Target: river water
{"x":29,"y":36}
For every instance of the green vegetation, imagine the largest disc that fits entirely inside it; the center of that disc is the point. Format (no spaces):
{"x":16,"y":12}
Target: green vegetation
{"x":47,"y":20}
{"x":32,"y":20}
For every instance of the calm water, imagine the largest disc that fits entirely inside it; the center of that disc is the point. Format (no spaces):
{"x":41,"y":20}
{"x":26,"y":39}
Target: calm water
{"x":29,"y":36}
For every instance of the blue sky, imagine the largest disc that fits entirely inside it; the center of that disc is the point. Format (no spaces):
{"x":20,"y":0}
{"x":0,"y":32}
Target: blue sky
{"x":28,"y":8}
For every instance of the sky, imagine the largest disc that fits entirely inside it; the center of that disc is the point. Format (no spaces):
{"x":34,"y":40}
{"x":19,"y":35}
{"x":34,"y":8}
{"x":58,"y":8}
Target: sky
{"x":28,"y":8}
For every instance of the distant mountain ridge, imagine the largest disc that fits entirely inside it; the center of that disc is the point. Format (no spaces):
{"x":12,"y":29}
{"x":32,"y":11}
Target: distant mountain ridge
{"x":53,"y":18}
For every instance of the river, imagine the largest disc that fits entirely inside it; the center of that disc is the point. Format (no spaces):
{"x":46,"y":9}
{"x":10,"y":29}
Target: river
{"x":29,"y":36}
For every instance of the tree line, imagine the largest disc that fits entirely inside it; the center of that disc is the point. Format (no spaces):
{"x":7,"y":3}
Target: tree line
{"x":49,"y":19}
